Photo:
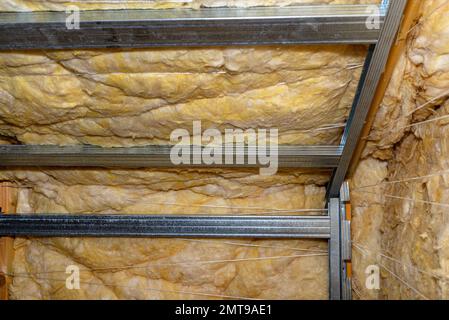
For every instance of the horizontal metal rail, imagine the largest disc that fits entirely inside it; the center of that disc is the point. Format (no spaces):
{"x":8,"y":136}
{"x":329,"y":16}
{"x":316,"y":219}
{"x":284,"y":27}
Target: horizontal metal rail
{"x":159,"y":156}
{"x":278,"y":227}
{"x":318,"y":24}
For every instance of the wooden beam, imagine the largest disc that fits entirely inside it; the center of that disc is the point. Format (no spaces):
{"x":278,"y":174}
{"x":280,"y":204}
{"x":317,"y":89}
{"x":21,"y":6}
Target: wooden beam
{"x":7,"y":204}
{"x":411,"y":17}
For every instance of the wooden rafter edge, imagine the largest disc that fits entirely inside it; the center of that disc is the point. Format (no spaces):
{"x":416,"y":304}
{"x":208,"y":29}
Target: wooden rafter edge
{"x":411,"y":17}
{"x":7,"y":204}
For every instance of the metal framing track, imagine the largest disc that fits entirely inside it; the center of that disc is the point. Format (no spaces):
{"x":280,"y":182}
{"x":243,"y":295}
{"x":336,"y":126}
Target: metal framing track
{"x":185,"y":27}
{"x":278,"y":227}
{"x":335,"y":251}
{"x":159,"y":156}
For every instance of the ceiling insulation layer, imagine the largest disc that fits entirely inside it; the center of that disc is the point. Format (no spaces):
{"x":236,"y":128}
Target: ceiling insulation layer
{"x":138,"y":97}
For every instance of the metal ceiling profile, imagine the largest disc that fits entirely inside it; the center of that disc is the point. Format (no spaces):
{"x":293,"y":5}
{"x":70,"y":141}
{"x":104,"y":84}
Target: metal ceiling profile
{"x":160,"y":156}
{"x":185,"y":27}
{"x":325,"y":24}
{"x":273,"y":227}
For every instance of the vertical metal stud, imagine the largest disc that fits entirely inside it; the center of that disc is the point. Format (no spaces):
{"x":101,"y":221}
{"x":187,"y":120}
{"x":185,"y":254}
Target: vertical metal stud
{"x":340,"y":255}
{"x":334,"y":251}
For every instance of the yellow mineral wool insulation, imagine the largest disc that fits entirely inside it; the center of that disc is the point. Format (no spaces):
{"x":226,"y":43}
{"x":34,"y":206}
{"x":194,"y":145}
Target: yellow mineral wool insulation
{"x":420,"y":79}
{"x":61,"y":5}
{"x":170,"y":191}
{"x":168,"y":268}
{"x":138,"y":97}
{"x":401,"y":204}
{"x":423,"y":219}
{"x":367,"y":217}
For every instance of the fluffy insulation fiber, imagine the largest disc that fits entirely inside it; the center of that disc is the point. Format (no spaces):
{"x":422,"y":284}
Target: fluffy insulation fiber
{"x":137,"y":97}
{"x":401,"y":189}
{"x":36,"y":5}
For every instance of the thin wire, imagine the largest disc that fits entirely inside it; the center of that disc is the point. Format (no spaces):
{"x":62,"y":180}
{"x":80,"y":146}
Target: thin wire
{"x":404,"y":282}
{"x":124,"y":2}
{"x":237,"y":207}
{"x":371,"y":135}
{"x":358,"y":290}
{"x":364,"y":251}
{"x":430,"y":274}
{"x":415,"y":124}
{"x":428,"y":102}
{"x":440,"y":204}
{"x":268,"y":213}
{"x":146,"y":288}
{"x":437,"y":174}
{"x":359,"y":293}
{"x":355,"y":66}
{"x":423,"y":19}
{"x":252,"y":245}
{"x":324,"y":128}
{"x":170,"y":264}
{"x":425,"y":122}
{"x":395,"y":275}
{"x":440,"y":173}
